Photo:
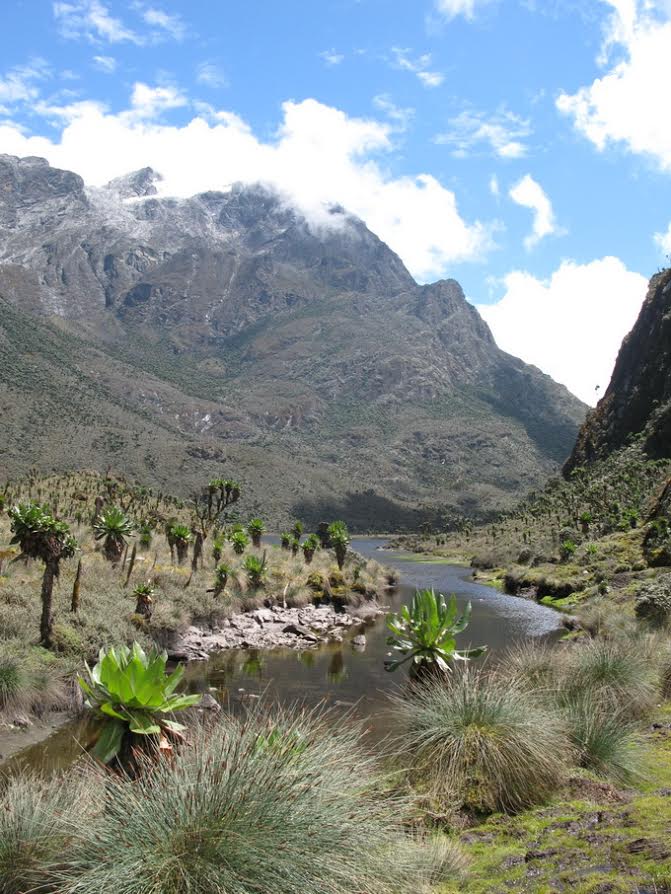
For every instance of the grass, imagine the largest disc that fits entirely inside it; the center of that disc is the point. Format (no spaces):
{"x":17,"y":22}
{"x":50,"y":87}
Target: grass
{"x":591,"y":837}
{"x":36,"y":829}
{"x":36,"y":680}
{"x":280,"y":802}
{"x":606,"y":740}
{"x":618,"y":675}
{"x":481,"y":743}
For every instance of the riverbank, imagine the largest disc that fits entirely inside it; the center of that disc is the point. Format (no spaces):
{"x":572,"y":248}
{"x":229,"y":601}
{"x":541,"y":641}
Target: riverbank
{"x":277,"y":627}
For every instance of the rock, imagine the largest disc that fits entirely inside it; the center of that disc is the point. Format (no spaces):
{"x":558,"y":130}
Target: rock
{"x":263,"y":616}
{"x":302,"y":631}
{"x":22,"y":721}
{"x":208,"y":703}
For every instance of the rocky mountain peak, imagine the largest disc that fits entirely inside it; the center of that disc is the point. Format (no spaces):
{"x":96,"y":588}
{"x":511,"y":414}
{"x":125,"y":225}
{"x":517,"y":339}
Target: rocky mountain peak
{"x":29,"y":184}
{"x":232,"y":326}
{"x":136,"y":185}
{"x":638,"y":399}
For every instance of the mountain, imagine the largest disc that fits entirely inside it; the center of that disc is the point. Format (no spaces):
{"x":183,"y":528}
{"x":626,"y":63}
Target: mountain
{"x":175,"y":339}
{"x":638,"y":399}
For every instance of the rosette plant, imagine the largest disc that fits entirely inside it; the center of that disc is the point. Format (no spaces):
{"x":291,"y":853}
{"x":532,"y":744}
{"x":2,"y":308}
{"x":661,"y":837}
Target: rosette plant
{"x":179,"y":538}
{"x":309,"y":546}
{"x":240,"y":542}
{"x":425,"y":633}
{"x":41,"y":536}
{"x":134,"y":698}
{"x":114,"y":528}
{"x":339,"y":539}
{"x":256,"y":529}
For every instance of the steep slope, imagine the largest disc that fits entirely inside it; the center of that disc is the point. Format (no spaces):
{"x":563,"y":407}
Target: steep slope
{"x":638,"y":399}
{"x":226,"y":328}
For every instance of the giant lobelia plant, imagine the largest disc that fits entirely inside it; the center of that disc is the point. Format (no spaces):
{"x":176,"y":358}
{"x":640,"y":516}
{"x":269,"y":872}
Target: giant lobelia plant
{"x":425,"y":633}
{"x":134,"y":697}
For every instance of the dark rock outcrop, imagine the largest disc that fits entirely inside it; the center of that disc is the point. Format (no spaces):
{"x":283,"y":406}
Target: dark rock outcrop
{"x":638,"y":399}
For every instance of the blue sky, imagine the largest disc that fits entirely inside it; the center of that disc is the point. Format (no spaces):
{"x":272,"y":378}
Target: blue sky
{"x":516,"y":146}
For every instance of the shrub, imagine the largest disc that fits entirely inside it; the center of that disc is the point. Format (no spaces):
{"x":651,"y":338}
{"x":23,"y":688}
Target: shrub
{"x":653,"y":602}
{"x":255,"y":568}
{"x":240,"y":542}
{"x":134,"y":697}
{"x":114,"y":528}
{"x":256,"y":529}
{"x":567,"y":550}
{"x":274,"y":806}
{"x":339,"y":540}
{"x":481,"y":741}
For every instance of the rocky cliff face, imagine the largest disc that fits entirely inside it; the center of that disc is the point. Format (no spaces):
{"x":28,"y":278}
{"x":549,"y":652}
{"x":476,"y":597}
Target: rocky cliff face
{"x":638,"y":399}
{"x":166,"y":337}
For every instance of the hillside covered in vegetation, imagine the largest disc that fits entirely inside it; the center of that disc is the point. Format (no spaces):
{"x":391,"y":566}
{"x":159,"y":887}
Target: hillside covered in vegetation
{"x":164,"y":337}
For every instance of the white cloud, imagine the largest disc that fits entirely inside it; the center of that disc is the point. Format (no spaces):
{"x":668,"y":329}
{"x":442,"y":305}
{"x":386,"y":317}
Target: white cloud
{"x":494,"y":186}
{"x":571,"y":325}
{"x":148,"y":102}
{"x":399,"y":116}
{"x":92,"y":20}
{"x":663,"y":240}
{"x":419,"y":66}
{"x":319,"y":157}
{"x":503,"y":132}
{"x":172,"y":25}
{"x":211,"y":75}
{"x":451,"y":9}
{"x":529,"y":194}
{"x":19,"y":84}
{"x":105,"y":63}
{"x":332,"y":57}
{"x":628,"y":104}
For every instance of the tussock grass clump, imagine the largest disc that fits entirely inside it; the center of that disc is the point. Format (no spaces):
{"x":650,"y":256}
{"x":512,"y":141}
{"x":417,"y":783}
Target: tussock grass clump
{"x":271,"y":805}
{"x":29,"y":681}
{"x":36,"y":829}
{"x":13,"y":680}
{"x":616,"y":675}
{"x":606,"y":740}
{"x":482,"y":742}
{"x":533,"y":666}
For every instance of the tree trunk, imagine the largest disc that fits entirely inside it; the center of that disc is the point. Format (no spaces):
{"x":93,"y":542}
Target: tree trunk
{"x":47,"y":621}
{"x":76,"y":588}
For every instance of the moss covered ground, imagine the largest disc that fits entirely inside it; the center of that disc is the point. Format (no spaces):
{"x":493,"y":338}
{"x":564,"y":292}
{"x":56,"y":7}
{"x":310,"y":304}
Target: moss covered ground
{"x":592,"y":838}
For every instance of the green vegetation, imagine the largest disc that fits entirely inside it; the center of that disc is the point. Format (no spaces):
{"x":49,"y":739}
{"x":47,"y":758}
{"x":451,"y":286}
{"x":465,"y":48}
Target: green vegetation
{"x":114,"y":528}
{"x":479,"y":743}
{"x":131,"y":694}
{"x":425,"y":633}
{"x":274,"y":804}
{"x":256,"y":528}
{"x":339,"y":541}
{"x":41,"y":536}
{"x":146,"y":596}
{"x":179,"y":538}
{"x":255,"y":568}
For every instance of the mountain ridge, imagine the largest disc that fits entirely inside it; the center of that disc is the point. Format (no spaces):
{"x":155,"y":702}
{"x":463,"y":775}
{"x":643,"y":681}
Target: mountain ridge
{"x":302,"y":356}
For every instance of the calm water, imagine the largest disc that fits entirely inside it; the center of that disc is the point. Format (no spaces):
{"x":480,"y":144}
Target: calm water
{"x":343,"y":676}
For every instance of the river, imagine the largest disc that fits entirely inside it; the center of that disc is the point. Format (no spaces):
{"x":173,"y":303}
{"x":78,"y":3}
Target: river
{"x":343,"y":677}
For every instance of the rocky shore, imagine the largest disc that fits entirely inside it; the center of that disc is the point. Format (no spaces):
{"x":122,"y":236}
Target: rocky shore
{"x":275,"y":628}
